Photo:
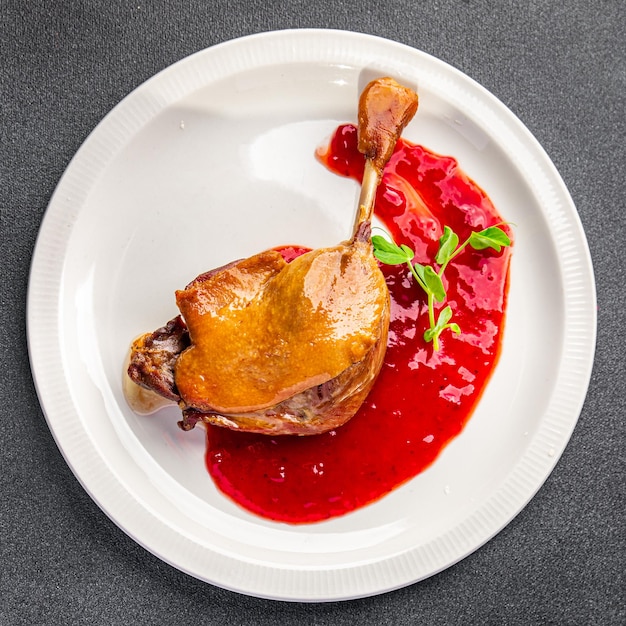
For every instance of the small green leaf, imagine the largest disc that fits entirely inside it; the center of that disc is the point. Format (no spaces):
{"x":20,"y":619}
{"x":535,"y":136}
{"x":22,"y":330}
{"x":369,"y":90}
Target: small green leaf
{"x":389,"y":258}
{"x":434,"y":283}
{"x":381,"y":243}
{"x":448,"y":243}
{"x":418,"y":269}
{"x":444,"y":316}
{"x":409,"y":253}
{"x":432,"y":334}
{"x":389,"y":253}
{"x":492,"y":237}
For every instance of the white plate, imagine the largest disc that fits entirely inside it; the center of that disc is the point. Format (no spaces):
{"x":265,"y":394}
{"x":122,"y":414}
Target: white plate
{"x":212,"y":160}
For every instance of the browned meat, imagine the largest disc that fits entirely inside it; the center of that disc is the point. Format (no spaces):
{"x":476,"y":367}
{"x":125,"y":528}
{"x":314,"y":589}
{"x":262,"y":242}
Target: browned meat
{"x":154,"y":355}
{"x":286,"y":348}
{"x":305,"y":344}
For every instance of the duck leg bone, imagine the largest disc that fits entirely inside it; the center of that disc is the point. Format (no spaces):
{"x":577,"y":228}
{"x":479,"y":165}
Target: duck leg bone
{"x":385,"y":108}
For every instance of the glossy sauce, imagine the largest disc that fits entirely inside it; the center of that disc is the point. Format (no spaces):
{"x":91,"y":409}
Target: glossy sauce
{"x":422,"y":399}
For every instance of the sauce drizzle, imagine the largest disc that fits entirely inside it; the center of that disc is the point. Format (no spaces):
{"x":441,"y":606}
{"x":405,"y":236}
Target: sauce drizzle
{"x":422,"y":399}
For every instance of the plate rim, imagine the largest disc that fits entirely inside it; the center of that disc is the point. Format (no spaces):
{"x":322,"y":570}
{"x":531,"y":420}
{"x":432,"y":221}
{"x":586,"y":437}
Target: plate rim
{"x":329,"y":585}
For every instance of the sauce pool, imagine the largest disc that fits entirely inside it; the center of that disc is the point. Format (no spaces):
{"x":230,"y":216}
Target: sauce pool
{"x":422,"y":398}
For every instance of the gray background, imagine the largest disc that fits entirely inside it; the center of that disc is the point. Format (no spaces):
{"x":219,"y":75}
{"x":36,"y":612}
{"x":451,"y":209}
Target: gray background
{"x":560,"y":66}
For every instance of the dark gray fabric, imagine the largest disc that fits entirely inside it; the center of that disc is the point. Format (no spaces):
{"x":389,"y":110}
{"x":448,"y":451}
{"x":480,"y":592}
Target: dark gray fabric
{"x":560,"y":66}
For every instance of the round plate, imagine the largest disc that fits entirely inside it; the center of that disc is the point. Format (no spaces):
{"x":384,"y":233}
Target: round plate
{"x":212,"y":160}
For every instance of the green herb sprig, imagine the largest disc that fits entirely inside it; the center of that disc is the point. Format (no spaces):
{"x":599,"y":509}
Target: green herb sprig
{"x":431,"y":279}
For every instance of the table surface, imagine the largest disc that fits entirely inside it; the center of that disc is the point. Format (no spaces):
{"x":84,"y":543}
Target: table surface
{"x":559,"y":66}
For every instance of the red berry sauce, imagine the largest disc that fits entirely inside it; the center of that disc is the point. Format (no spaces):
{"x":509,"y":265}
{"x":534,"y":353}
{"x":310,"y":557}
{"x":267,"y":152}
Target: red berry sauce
{"x":422,"y":398}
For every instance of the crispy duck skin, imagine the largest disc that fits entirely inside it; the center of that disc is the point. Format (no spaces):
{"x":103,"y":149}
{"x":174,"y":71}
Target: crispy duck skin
{"x":332,"y":378}
{"x":285,"y":348}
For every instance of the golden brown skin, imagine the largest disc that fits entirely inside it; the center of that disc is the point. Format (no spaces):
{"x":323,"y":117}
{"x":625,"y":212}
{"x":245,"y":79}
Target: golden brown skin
{"x":265,"y":343}
{"x":312,"y":411}
{"x":293,"y":326}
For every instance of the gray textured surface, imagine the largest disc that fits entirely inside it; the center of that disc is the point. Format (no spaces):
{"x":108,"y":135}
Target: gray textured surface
{"x":561,"y":67}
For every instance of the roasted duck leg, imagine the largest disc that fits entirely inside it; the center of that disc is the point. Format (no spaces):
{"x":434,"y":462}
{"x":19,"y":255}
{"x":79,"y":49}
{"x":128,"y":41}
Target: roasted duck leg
{"x":286,"y":348}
